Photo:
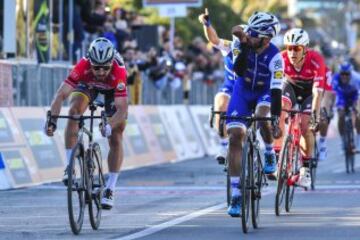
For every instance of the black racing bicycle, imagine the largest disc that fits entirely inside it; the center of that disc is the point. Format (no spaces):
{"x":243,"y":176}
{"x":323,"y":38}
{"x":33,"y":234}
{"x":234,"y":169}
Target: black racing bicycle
{"x":348,"y":141}
{"x":86,"y":180}
{"x":226,"y":163}
{"x":252,"y":176}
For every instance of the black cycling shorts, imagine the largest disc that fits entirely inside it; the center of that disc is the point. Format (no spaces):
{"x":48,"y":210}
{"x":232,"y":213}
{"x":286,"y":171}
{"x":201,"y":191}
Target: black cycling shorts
{"x":92,"y":93}
{"x":297,"y":95}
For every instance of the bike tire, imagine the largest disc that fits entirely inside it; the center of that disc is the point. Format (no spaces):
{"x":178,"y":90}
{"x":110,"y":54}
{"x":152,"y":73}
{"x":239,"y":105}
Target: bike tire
{"x":313,"y":166}
{"x":76,"y":188}
{"x":257,"y":183}
{"x":290,"y":189}
{"x":97,"y":181}
{"x":282,"y":176}
{"x":228,"y":188}
{"x":245,"y":186}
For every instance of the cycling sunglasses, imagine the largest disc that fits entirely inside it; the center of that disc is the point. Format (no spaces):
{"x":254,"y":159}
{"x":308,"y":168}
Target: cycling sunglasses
{"x":345,"y":73}
{"x":294,"y":48}
{"x":97,"y":68}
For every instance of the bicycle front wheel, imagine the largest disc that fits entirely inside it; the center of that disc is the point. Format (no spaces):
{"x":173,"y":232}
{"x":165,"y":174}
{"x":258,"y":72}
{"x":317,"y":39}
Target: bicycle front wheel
{"x":246,"y":176}
{"x":282,"y":176}
{"x":97,"y":180}
{"x":76,"y":188}
{"x":290,"y":189}
{"x":257,"y":183}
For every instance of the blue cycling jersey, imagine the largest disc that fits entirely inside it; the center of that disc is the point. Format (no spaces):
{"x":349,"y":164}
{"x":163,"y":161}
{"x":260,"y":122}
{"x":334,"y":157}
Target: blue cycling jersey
{"x":228,"y":84}
{"x":346,"y":94}
{"x":263,"y":72}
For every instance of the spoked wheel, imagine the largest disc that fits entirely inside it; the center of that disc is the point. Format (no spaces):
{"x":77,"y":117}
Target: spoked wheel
{"x":290,"y":189}
{"x":313,"y":166}
{"x":76,"y":188}
{"x":97,"y":186}
{"x":257,"y":183}
{"x":228,"y":188}
{"x":246,"y":176}
{"x":282,"y":176}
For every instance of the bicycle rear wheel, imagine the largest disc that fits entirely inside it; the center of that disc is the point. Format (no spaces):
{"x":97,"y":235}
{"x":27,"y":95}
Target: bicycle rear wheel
{"x":282,"y":176}
{"x":313,"y":166}
{"x":257,"y":183}
{"x":97,"y":181}
{"x":246,"y":176}
{"x":228,"y":188}
{"x":76,"y":188}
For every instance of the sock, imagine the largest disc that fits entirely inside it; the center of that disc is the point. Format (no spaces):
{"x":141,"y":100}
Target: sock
{"x":68,"y":155}
{"x":111,"y":182}
{"x":322,"y":142}
{"x":269,"y":148}
{"x":235,"y":191}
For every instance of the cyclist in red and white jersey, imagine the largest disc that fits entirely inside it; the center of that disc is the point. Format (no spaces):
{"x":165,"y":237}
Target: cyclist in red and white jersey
{"x":305,"y":73}
{"x":327,"y":103}
{"x":99,"y":72}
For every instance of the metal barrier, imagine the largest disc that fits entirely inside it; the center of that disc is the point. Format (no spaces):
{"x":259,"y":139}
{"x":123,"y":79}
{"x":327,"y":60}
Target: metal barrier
{"x":36,"y":84}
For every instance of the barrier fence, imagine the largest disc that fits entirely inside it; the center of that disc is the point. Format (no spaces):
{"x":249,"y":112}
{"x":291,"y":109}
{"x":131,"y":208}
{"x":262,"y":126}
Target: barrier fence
{"x":26,"y":83}
{"x":154,"y":134}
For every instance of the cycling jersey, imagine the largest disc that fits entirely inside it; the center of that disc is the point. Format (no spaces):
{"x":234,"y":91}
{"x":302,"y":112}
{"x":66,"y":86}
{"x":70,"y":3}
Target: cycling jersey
{"x":229,"y":79}
{"x":354,"y":80}
{"x":301,"y":83}
{"x":346,"y":95}
{"x":115,"y":81}
{"x":264,"y":72}
{"x":328,"y":80}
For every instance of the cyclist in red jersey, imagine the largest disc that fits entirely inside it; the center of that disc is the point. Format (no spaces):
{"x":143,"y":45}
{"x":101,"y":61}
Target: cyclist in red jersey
{"x":98,"y":72}
{"x":304,"y":72}
{"x":327,"y":103}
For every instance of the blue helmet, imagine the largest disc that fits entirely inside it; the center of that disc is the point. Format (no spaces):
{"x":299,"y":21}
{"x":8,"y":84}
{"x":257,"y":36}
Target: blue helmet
{"x":345,"y":67}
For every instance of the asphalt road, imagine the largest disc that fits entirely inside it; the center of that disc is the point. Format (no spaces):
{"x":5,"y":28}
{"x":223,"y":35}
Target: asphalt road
{"x":186,"y":200}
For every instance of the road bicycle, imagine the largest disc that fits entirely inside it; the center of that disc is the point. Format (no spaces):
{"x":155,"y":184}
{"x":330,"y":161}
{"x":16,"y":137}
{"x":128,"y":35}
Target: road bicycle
{"x":289,"y":163}
{"x":252,"y":176}
{"x":226,"y":162}
{"x":348,"y":141}
{"x":86,"y":180}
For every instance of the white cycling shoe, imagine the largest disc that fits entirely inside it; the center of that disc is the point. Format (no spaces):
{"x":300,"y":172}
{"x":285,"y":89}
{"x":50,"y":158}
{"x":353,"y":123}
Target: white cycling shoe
{"x":304,"y":177}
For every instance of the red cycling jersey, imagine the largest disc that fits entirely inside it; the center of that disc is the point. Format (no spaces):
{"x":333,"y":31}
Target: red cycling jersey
{"x":312,"y":73}
{"x":328,"y":79}
{"x":116,"y":80}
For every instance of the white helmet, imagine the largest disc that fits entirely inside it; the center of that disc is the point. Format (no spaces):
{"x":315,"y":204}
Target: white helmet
{"x":264,"y":24}
{"x":296,"y":36}
{"x":101,"y":51}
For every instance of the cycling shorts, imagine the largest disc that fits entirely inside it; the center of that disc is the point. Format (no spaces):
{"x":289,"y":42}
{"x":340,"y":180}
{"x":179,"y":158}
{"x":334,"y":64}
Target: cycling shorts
{"x":243,"y":102}
{"x":92,"y":93}
{"x":296,"y":95}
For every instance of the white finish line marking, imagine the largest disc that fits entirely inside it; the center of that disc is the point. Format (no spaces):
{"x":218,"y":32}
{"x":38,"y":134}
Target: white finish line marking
{"x":162,"y":226}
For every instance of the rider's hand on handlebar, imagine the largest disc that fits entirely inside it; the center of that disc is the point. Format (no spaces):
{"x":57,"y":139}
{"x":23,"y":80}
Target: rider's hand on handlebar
{"x":276,"y":131}
{"x":314,"y":123}
{"x":50,"y":128}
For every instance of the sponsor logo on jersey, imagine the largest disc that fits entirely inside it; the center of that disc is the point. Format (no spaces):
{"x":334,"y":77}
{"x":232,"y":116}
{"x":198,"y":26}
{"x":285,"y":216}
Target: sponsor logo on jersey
{"x":121,"y":86}
{"x":278,"y":75}
{"x":278,"y":64}
{"x":236,"y":52}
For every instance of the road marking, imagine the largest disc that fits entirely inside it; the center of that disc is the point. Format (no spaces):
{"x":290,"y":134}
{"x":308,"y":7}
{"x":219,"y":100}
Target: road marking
{"x":162,"y":226}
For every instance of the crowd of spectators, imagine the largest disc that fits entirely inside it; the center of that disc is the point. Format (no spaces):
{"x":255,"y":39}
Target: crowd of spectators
{"x":166,"y":66}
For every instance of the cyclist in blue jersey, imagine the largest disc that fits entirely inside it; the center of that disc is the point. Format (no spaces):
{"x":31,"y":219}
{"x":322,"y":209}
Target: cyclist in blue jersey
{"x":259,"y":73}
{"x":222,"y":98}
{"x":346,"y":87}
